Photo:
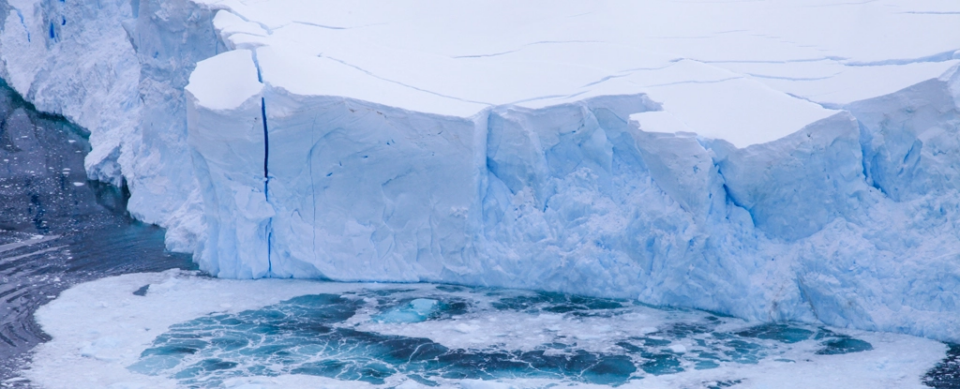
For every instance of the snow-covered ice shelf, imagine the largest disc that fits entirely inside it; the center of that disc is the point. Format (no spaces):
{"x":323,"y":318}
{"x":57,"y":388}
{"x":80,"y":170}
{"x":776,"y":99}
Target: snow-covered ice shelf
{"x":746,"y":72}
{"x":788,"y":160}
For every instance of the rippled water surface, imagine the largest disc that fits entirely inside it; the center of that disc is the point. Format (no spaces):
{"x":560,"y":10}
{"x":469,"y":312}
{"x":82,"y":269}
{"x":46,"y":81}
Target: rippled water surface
{"x":56,"y":227}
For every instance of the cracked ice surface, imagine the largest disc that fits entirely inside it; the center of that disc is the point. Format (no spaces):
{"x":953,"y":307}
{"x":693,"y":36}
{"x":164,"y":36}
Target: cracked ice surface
{"x":784,"y":59}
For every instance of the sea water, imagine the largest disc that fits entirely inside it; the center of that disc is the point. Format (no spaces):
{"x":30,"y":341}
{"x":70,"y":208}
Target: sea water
{"x":183,"y":329}
{"x":57,"y":228}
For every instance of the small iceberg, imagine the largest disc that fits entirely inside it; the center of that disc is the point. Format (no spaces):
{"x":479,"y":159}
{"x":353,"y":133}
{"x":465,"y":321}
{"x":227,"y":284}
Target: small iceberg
{"x":415,"y":311}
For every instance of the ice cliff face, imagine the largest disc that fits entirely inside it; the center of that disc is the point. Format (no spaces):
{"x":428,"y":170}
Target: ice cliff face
{"x":41,"y":44}
{"x":751,"y":167}
{"x":118,"y":69}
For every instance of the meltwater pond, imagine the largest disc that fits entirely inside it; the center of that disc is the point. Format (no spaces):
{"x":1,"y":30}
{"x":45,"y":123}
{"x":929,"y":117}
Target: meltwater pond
{"x":180,"y":329}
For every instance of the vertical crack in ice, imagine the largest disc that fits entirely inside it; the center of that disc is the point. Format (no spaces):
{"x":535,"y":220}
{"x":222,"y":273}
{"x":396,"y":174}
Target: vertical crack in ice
{"x":266,"y":165}
{"x":313,"y":184}
{"x":23,"y":23}
{"x":266,"y":178}
{"x":726,"y":190}
{"x":866,"y":154}
{"x":266,"y":148}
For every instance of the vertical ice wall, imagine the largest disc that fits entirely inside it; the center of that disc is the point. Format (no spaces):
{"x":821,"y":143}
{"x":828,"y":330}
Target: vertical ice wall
{"x":76,"y":60}
{"x":117,"y":68}
{"x":576,"y":198}
{"x":853,"y":220}
{"x":230,"y":167}
{"x":170,"y":37}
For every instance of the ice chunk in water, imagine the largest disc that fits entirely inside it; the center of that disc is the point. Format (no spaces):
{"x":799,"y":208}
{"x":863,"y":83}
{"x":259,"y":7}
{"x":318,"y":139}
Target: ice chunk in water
{"x":415,"y":311}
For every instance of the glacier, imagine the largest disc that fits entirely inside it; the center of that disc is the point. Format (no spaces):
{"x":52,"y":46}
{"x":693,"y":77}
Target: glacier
{"x":797,"y":160}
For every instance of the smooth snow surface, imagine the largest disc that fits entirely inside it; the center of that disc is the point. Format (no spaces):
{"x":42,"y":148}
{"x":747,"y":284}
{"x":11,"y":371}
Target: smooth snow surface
{"x":287,"y":333}
{"x":228,"y":79}
{"x":774,"y":160}
{"x":739,"y":71}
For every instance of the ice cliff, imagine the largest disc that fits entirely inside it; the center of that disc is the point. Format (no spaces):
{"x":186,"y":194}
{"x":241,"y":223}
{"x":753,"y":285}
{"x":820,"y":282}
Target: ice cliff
{"x":794,"y":160}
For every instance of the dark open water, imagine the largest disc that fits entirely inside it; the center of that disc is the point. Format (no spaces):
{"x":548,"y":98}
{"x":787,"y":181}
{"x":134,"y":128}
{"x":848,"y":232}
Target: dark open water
{"x":57,"y":228}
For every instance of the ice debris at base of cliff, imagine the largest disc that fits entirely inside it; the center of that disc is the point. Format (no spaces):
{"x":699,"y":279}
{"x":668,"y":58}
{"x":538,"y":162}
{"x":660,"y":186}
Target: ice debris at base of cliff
{"x":723,"y":156}
{"x":274,"y":333}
